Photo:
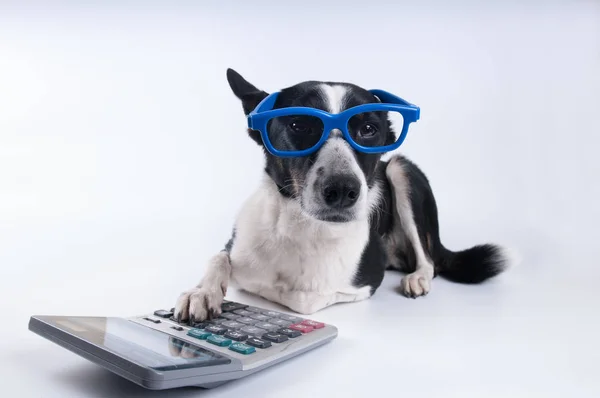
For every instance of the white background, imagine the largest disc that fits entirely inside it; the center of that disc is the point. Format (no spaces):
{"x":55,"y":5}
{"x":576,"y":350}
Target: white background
{"x":124,"y":157}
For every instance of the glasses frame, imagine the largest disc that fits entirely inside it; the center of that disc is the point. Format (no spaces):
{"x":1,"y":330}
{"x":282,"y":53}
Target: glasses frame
{"x":260,"y":116}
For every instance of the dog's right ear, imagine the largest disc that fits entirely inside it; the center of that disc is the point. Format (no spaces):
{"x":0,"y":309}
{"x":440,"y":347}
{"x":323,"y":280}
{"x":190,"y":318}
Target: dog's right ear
{"x":246,"y":92}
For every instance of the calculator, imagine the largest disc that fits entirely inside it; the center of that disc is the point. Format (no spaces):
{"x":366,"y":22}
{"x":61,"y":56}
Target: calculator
{"x":157,"y":352}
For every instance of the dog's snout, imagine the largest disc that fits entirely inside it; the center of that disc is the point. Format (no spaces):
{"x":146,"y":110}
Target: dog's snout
{"x":341,"y":191}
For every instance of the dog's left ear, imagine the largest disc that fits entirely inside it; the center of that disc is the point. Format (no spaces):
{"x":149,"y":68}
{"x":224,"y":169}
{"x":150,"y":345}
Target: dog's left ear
{"x":246,"y":92}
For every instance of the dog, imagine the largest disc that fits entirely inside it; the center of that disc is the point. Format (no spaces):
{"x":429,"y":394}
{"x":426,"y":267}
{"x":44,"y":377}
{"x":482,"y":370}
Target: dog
{"x":323,"y":229}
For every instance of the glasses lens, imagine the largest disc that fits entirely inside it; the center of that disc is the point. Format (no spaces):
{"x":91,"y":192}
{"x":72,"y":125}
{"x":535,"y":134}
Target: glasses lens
{"x":372,"y":129}
{"x":294,"y":132}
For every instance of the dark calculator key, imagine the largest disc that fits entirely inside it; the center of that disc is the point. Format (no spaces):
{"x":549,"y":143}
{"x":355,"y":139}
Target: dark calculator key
{"x":272,"y":314}
{"x":280,"y":322}
{"x":200,"y":325}
{"x":152,"y":320}
{"x":230,"y":316}
{"x":217,"y":321}
{"x":178,"y":328}
{"x":289,"y":332}
{"x":267,"y":326}
{"x":236,"y":335}
{"x":254,"y":309}
{"x":293,"y":319}
{"x":259,"y":317}
{"x":253,"y":330}
{"x":246,"y":320}
{"x":243,"y":312}
{"x":231,"y":306}
{"x":163,"y":313}
{"x":258,"y":343}
{"x":232,"y":325}
{"x":274,"y":337}
{"x":215,"y":329}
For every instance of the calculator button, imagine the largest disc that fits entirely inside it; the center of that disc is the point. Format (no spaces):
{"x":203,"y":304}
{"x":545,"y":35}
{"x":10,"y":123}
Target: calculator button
{"x":242,"y":348}
{"x":289,"y":332}
{"x":313,"y":324}
{"x":302,"y":328}
{"x":198,"y":333}
{"x":232,"y":325}
{"x":231,"y":306}
{"x":230,"y":316}
{"x":217,"y":321}
{"x":290,"y":318}
{"x":274,"y":337}
{"x":279,"y":322}
{"x":243,"y":312}
{"x":253,"y":330}
{"x":267,"y":326}
{"x":272,"y":314}
{"x":235,"y":335}
{"x":218,"y":340}
{"x":258,"y":343}
{"x":254,"y":309}
{"x":152,"y":320}
{"x":215,"y":329}
{"x":247,"y":321}
{"x":259,"y":317}
{"x":178,"y":328}
{"x":163,"y":313}
{"x":200,"y":325}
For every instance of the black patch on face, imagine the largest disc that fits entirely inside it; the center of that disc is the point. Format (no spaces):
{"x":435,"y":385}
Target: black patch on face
{"x":290,"y":173}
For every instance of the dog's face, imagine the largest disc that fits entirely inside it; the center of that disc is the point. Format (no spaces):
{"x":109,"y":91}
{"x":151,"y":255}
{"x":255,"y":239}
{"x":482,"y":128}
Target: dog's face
{"x":333,"y":183}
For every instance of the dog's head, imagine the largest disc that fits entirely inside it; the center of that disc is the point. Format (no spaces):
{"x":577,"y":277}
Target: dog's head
{"x":333,"y":184}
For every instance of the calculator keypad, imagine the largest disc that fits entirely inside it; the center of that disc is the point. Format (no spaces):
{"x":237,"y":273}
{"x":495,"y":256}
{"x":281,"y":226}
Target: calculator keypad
{"x":243,"y":329}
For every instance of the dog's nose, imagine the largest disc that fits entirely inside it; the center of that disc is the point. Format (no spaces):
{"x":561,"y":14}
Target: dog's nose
{"x":341,"y":191}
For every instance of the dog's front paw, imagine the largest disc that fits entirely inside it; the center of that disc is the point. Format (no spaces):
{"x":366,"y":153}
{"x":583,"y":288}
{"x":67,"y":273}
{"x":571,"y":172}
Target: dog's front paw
{"x":199,"y":304}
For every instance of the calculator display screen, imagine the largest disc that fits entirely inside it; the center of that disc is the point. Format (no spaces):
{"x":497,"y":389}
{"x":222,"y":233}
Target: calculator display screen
{"x":148,"y":347}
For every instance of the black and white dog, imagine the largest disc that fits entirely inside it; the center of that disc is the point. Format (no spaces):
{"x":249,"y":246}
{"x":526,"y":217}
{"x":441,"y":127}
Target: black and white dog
{"x":323,"y":229}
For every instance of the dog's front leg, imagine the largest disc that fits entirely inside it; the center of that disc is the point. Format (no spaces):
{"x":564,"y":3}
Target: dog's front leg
{"x":204,"y":301}
{"x":307,"y":302}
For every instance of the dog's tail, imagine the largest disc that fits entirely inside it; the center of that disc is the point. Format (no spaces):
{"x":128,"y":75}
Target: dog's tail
{"x":473,"y":265}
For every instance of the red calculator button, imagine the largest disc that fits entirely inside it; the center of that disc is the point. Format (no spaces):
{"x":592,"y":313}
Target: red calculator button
{"x":301,"y":328}
{"x":313,"y":324}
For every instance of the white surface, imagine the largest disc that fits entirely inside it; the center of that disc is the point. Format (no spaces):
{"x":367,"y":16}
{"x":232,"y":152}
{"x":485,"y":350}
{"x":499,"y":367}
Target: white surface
{"x":123,"y":158}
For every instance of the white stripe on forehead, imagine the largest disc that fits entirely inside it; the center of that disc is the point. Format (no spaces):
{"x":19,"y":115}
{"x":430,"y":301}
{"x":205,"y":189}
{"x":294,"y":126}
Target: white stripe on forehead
{"x":334,"y":97}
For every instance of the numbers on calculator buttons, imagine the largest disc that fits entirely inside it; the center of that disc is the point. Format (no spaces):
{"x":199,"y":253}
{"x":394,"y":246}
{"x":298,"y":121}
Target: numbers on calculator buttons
{"x":232,"y":325}
{"x":231,"y":306}
{"x":293,"y":319}
{"x":247,"y":321}
{"x":252,"y":330}
{"x":274,"y":337}
{"x":218,"y":340}
{"x":279,"y":322}
{"x":267,"y":326}
{"x":272,"y":314}
{"x":289,"y":332}
{"x":230,"y":316}
{"x":243,"y":312}
{"x":254,"y":309}
{"x":236,"y":335}
{"x":258,"y":343}
{"x":259,"y":317}
{"x":313,"y":324}
{"x":215,"y":329}
{"x":301,"y":328}
{"x":198,"y":333}
{"x":242,"y":348}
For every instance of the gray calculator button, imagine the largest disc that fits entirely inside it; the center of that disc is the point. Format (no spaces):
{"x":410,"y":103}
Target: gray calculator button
{"x":254,"y":309}
{"x":272,"y":314}
{"x":236,"y":335}
{"x":253,"y":330}
{"x":280,"y":322}
{"x":293,"y":319}
{"x":230,"y":316}
{"x":217,"y":321}
{"x":259,"y":317}
{"x":232,"y":325}
{"x":243,"y":312}
{"x":247,"y":321}
{"x":268,"y":326}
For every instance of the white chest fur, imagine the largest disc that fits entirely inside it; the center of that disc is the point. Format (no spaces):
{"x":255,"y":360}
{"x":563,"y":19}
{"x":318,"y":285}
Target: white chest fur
{"x":278,"y":247}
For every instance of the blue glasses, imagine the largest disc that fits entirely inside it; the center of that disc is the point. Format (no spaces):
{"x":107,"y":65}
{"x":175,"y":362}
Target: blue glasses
{"x":301,"y":131}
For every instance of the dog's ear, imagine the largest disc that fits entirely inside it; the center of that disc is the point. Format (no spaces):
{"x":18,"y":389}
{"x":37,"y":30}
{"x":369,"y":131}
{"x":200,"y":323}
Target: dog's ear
{"x":246,"y":92}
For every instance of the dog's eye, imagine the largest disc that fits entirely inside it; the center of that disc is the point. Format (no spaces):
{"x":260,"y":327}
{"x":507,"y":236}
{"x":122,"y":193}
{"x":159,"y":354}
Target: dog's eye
{"x":300,"y":127}
{"x":367,"y":130}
